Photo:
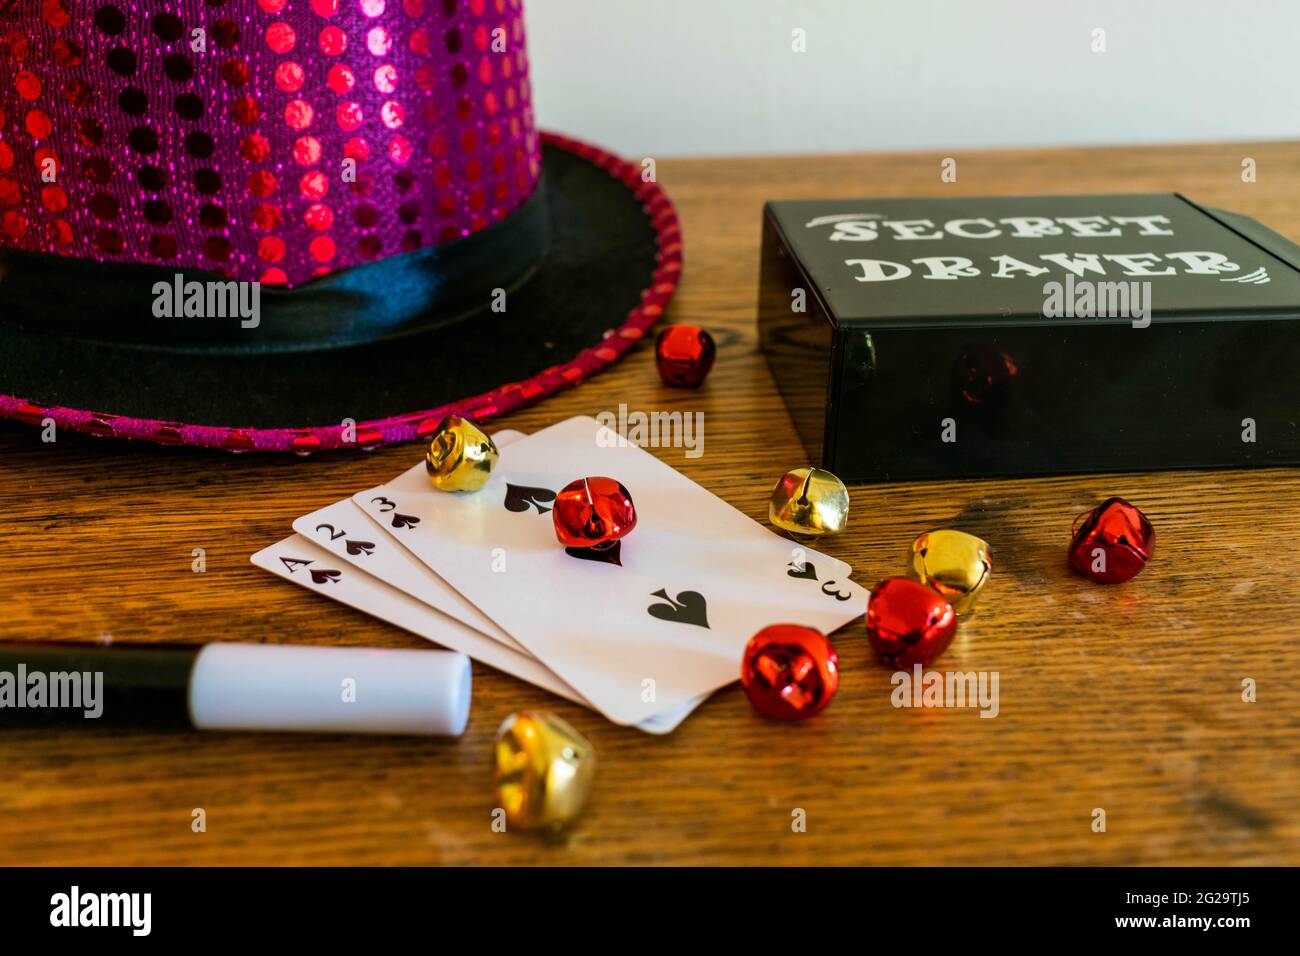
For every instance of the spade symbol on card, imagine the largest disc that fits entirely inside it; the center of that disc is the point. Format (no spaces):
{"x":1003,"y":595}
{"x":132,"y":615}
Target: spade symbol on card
{"x":805,"y":573}
{"x":809,"y":573}
{"x":608,"y":555}
{"x":325,"y":577}
{"x":360,"y":547}
{"x":520,"y":497}
{"x":404,"y":521}
{"x":688,"y":608}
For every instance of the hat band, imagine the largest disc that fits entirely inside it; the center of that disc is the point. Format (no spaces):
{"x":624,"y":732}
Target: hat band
{"x":156,"y":307}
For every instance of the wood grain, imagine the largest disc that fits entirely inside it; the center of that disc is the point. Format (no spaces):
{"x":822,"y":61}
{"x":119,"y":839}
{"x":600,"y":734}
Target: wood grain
{"x":1124,"y":698}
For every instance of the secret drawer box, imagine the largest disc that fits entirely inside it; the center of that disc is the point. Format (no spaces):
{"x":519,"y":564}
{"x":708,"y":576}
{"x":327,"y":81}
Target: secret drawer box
{"x":975,"y":337}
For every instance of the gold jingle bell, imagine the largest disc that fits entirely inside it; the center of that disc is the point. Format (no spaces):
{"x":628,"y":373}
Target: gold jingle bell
{"x":460,"y":456}
{"x":955,"y":564}
{"x":542,"y":770}
{"x":809,"y":501}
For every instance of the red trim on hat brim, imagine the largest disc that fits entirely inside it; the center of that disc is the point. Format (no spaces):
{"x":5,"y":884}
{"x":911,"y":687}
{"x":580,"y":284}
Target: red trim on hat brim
{"x":413,"y":426}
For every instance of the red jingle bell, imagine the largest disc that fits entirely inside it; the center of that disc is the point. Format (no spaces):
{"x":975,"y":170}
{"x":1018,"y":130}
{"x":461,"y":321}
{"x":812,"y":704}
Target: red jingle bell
{"x":907,"y":623}
{"x":983,"y":375}
{"x":1112,"y":542}
{"x":789,"y":672}
{"x":684,"y":354}
{"x":593,"y":513}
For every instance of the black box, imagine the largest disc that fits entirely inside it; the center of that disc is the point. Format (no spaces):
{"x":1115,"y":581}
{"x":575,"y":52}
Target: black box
{"x":975,"y":363}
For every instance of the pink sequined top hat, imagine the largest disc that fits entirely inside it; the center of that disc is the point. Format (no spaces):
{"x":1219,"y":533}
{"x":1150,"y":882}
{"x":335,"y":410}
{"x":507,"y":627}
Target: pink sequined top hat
{"x":302,"y":224}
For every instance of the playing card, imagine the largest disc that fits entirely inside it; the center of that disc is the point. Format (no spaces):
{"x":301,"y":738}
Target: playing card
{"x":351,"y":535}
{"x":656,"y":623}
{"x":298,"y":560}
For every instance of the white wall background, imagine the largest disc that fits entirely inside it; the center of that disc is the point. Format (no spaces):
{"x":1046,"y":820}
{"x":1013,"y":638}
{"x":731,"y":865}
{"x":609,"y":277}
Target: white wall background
{"x":700,"y":77}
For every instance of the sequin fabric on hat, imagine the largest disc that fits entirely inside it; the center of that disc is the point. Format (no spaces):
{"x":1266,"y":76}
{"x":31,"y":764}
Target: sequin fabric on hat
{"x":269,"y":140}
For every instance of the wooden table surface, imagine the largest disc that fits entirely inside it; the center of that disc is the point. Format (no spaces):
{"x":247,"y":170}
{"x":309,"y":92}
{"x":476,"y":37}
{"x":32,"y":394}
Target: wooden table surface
{"x":1125,"y":698}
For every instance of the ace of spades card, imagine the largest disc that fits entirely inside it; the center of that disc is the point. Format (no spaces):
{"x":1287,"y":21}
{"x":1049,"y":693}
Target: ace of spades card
{"x":659,"y":624}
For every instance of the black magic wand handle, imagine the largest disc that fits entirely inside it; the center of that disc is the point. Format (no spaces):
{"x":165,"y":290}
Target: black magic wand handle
{"x":235,"y":687}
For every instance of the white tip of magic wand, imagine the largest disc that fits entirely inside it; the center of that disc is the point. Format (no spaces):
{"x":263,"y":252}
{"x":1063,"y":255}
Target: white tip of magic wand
{"x":286,"y":687}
